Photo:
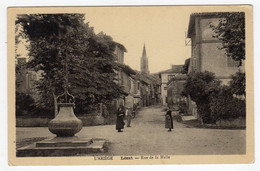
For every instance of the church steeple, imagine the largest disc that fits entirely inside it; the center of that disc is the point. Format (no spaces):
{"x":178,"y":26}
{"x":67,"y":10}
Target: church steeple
{"x":144,"y":62}
{"x":144,"y":51}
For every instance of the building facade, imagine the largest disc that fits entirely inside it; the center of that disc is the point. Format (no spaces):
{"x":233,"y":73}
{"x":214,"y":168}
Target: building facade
{"x":165,"y":76}
{"x":26,"y":79}
{"x":174,"y":91}
{"x":206,"y":52}
{"x":125,"y":75}
{"x":140,"y":87}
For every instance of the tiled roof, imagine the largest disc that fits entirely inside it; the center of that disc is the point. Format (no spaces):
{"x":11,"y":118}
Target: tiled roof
{"x":146,"y":78}
{"x":126,"y":68}
{"x":121,"y":46}
{"x":174,"y":69}
{"x":178,"y":77}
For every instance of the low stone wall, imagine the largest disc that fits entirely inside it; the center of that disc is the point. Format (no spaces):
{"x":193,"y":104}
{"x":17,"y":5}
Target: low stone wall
{"x":32,"y":122}
{"x":88,"y":120}
{"x":232,"y":123}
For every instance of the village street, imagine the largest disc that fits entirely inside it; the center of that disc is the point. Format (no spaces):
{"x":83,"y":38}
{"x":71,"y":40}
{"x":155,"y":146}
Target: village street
{"x":147,"y":135}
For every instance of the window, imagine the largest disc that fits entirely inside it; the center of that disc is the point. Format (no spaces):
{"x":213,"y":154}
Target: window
{"x":170,"y":77}
{"x":165,"y":88}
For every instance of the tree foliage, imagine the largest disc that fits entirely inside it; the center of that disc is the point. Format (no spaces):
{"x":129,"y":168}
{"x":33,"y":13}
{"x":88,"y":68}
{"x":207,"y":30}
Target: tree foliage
{"x":91,"y":62}
{"x":223,"y":105}
{"x":24,"y":104}
{"x":231,"y":31}
{"x":238,"y":84}
{"x":215,"y":101}
{"x":199,"y":86}
{"x":50,"y":26}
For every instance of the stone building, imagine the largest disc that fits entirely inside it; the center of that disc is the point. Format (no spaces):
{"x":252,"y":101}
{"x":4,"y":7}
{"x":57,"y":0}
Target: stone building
{"x":206,"y":52}
{"x":174,"y":91}
{"x":136,"y":88}
{"x":165,"y":76}
{"x":149,"y":84}
{"x":140,"y":87}
{"x":26,"y":79}
{"x":125,"y":76}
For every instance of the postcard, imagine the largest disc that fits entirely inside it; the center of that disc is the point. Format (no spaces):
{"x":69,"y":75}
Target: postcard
{"x":130,"y":85}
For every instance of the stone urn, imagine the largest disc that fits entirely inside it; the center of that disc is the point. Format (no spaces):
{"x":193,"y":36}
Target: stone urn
{"x":65,"y":124}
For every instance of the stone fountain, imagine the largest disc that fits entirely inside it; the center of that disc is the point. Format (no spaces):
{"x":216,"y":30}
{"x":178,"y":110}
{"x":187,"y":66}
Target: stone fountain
{"x":65,"y":125}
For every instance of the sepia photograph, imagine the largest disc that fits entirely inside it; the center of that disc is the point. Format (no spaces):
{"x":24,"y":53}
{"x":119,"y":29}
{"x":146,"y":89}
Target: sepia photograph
{"x":130,"y":85}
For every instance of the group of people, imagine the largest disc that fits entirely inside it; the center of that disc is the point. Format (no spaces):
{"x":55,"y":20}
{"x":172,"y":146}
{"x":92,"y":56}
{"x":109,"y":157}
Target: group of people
{"x":128,"y":113}
{"x":121,"y":114}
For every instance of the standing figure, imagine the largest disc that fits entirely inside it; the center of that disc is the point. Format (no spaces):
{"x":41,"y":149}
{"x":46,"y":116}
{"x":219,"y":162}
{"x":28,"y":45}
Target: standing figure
{"x":168,"y":120}
{"x":106,"y":114}
{"x":134,"y":110}
{"x":120,"y":119}
{"x":128,"y":114}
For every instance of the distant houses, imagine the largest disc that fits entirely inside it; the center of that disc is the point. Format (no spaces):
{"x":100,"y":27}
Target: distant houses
{"x":26,"y":79}
{"x":174,"y":91}
{"x":165,"y":76}
{"x":149,"y":84}
{"x":140,"y":87}
{"x":150,"y":89}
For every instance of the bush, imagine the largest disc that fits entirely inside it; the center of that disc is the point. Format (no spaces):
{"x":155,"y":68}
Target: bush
{"x":225,"y":106}
{"x":182,"y":107}
{"x":238,"y":84}
{"x":213,"y":100}
{"x":26,"y":107}
{"x":25,"y":104}
{"x":199,"y":86}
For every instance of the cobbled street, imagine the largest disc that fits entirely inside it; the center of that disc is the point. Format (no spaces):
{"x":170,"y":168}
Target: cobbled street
{"x":148,"y":136}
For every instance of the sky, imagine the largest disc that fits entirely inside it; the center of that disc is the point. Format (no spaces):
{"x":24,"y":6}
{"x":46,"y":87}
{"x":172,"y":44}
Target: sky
{"x":161,"y":29}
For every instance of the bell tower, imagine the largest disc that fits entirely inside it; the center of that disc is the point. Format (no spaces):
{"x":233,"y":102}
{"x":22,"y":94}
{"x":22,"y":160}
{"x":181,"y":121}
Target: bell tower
{"x":144,"y":62}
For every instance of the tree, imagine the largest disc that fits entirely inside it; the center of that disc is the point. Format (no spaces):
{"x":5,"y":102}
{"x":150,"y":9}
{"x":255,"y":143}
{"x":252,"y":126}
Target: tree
{"x":24,"y":104}
{"x":215,"y":101}
{"x":231,"y":31}
{"x":199,"y":86}
{"x":238,"y":84}
{"x":90,"y":58}
{"x":223,"y":105}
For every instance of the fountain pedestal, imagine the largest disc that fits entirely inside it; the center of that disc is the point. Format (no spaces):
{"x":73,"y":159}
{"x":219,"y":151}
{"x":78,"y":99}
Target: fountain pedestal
{"x":65,"y":125}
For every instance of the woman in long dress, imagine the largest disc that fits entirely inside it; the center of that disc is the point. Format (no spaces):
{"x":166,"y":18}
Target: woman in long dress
{"x":120,"y":119}
{"x":168,"y":120}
